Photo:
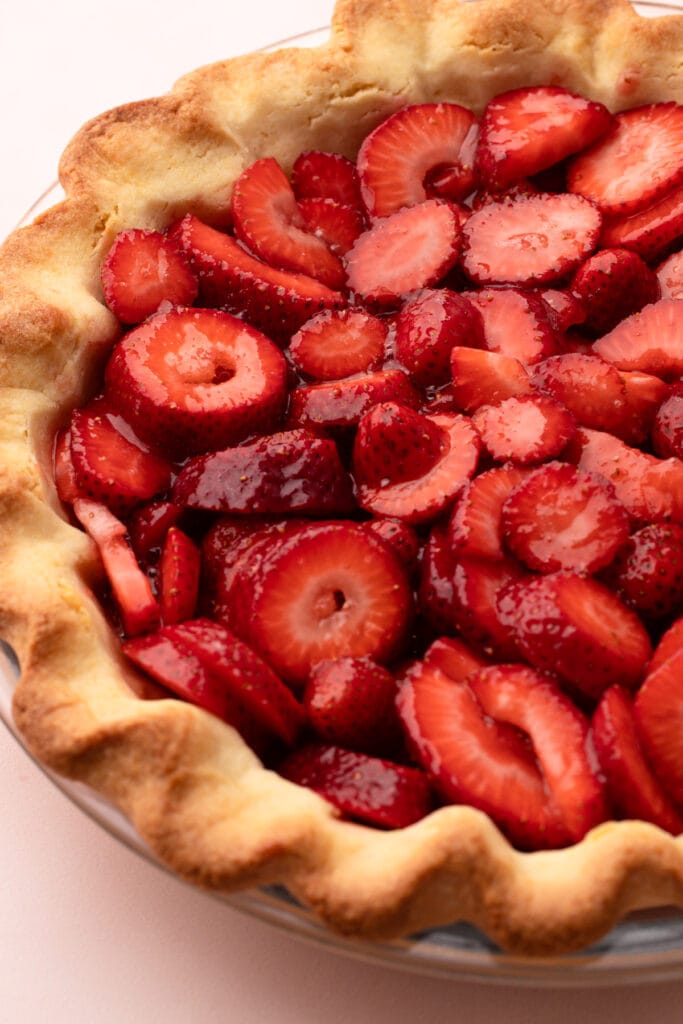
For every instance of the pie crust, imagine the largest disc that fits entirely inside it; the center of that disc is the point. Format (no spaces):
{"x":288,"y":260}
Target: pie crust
{"x":196,"y":794}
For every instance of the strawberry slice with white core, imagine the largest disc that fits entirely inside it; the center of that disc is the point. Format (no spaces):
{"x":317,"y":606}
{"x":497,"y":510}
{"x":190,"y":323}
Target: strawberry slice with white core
{"x":321,"y":175}
{"x":658,"y":709}
{"x":667,"y":428}
{"x":413,"y":248}
{"x":275,"y":301}
{"x":592,"y":390}
{"x":648,"y":571}
{"x":336,"y":225}
{"x":670,"y":276}
{"x":558,"y":731}
{"x":454,"y":658}
{"x":342,"y":403}
{"x":631,"y":783}
{"x":525,"y":131}
{"x":428,"y":326}
{"x":638,"y":161}
{"x":560,"y":517}
{"x":611,"y":285}
{"x":486,"y":378}
{"x":475,"y":526}
{"x":411,"y":466}
{"x":528,"y":429}
{"x":650,"y":341}
{"x":339,"y":343}
{"x":179,"y":570}
{"x":651,"y":232}
{"x":529,"y":240}
{"x":132,"y":590}
{"x":327,"y":590}
{"x":477,"y":583}
{"x":577,"y":628}
{"x":142,"y":270}
{"x":268,"y":221}
{"x":195,"y":379}
{"x":396,"y":158}
{"x":473,"y":760}
{"x":364,"y":788}
{"x":290,"y":471}
{"x":516,"y":323}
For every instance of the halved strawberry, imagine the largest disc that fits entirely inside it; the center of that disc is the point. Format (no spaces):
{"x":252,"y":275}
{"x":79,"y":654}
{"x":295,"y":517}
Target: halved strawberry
{"x":667,"y":428}
{"x":525,"y":131}
{"x":275,"y":301}
{"x":268,"y":221}
{"x":611,"y":285}
{"x":592,"y":390}
{"x":64,"y":472}
{"x":321,"y":175}
{"x":651,"y":232}
{"x":326,"y":590}
{"x":142,"y":270}
{"x":338,"y":343}
{"x":132,"y":590}
{"x":179,"y":568}
{"x":486,"y":378}
{"x":648,"y":571}
{"x":342,"y":403}
{"x":454,"y":658}
{"x":638,"y":161}
{"x":195,"y":379}
{"x":658,"y":709}
{"x":148,"y":525}
{"x":577,"y":628}
{"x":528,"y":429}
{"x":560,"y":517}
{"x":400,"y":537}
{"x":475,"y":526}
{"x":428,"y":326}
{"x":411,"y":466}
{"x":516,"y":323}
{"x":368,"y":789}
{"x":474,"y":760}
{"x":631,"y":783}
{"x":413,"y":248}
{"x":650,"y":341}
{"x":396,"y":158}
{"x":477,"y":583}
{"x":436,"y":593}
{"x":336,"y":225}
{"x":529,"y":240}
{"x":670,"y":276}
{"x":290,"y":471}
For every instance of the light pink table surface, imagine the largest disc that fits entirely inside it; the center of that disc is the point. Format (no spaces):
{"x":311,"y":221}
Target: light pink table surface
{"x":89,"y":931}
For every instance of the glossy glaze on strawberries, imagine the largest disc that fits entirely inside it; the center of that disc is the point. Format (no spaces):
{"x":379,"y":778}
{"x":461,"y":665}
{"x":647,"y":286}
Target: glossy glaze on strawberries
{"x":400,"y":497}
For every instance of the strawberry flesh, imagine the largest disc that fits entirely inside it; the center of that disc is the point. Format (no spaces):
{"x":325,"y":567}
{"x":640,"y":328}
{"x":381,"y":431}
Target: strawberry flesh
{"x":321,"y":175}
{"x":143,"y":270}
{"x":524,"y":430}
{"x":342,"y":403}
{"x":667,"y":428}
{"x":486,"y":378}
{"x":670,"y":276}
{"x":336,"y":225}
{"x":658,"y":708}
{"x":611,"y":285}
{"x":339,"y":343}
{"x":179,"y":569}
{"x":428,"y":326}
{"x":517,"y":323}
{"x":648,"y":571}
{"x":650,"y":232}
{"x":650,"y":341}
{"x":476,"y":527}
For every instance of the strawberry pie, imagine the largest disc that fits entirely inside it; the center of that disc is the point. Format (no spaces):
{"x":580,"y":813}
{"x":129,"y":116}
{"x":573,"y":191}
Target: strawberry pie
{"x":341,"y":419}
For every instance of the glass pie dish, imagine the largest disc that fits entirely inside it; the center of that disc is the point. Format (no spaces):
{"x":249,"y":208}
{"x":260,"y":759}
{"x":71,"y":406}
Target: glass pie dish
{"x":646,"y":947}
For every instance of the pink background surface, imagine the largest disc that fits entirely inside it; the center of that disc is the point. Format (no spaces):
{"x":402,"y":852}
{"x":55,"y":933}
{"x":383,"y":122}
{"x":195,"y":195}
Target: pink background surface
{"x":88,"y":930}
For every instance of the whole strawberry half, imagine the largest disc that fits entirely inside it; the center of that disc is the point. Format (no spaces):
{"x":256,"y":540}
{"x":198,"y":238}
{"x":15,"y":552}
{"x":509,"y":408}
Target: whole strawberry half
{"x":611,"y":285}
{"x":428,"y":326}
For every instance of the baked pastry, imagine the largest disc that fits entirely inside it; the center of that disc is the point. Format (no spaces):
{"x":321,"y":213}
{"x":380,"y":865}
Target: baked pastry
{"x":189,"y":783}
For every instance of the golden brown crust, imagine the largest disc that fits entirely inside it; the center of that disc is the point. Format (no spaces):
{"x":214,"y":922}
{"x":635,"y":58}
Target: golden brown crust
{"x":194,"y":791}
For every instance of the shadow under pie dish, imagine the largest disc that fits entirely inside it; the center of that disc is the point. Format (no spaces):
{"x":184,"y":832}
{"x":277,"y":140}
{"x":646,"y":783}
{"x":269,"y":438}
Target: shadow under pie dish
{"x":193,"y":789}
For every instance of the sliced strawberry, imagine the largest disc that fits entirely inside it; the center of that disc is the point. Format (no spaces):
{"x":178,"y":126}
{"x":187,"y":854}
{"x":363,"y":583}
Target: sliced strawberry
{"x":427,"y":328}
{"x":411,"y":466}
{"x":400,"y":537}
{"x":592,"y":390}
{"x":671,"y":643}
{"x":486,"y":378}
{"x":644,"y":395}
{"x":631,"y":783}
{"x":658,"y":709}
{"x":475,"y":527}
{"x":670,"y":276}
{"x":131,"y":588}
{"x":638,"y":161}
{"x":179,"y":569}
{"x":64,"y":472}
{"x":436,"y":592}
{"x":648,"y":571}
{"x":342,"y":403}
{"x":477,"y":583}
{"x":564,"y":309}
{"x":560,"y":517}
{"x":142,"y":270}
{"x":454,"y":658}
{"x":667,"y":428}
{"x":338,"y":343}
{"x":336,"y":225}
{"x":397,"y":157}
{"x":519,"y":189}
{"x":275,"y":301}
{"x":611,"y":285}
{"x":413,"y":248}
{"x":326,"y":590}
{"x":651,"y":232}
{"x":110,"y":464}
{"x":268,"y":221}
{"x":528,"y":429}
{"x":650,"y":341}
{"x":577,"y":628}
{"x":529,"y":240}
{"x":525,"y":131}
{"x":148,"y":526}
{"x":516,"y":323}
{"x":192,"y":380}
{"x":368,"y":789}
{"x":290,"y":471}
{"x":320,"y":175}
{"x":473,"y":760}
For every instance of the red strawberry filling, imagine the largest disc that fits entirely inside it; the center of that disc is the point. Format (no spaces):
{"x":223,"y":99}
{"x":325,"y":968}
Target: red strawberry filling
{"x":290,"y":475}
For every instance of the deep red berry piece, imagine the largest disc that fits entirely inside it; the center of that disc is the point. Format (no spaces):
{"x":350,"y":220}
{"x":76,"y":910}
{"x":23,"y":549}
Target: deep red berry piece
{"x":410,"y":249}
{"x":336,"y":225}
{"x":517,"y":323}
{"x":436,"y":594}
{"x":638,"y":161}
{"x":577,"y":628}
{"x":529,"y":240}
{"x":658,"y":709}
{"x":475,"y":527}
{"x":338,"y":343}
{"x":645,"y":393}
{"x":648,"y":571}
{"x":66,"y":482}
{"x":611,"y":285}
{"x":368,"y":789}
{"x":428,"y":326}
{"x":397,"y":157}
{"x":670,"y":643}
{"x":148,"y":525}
{"x":342,"y":403}
{"x":518,"y":190}
{"x":400,"y":537}
{"x":525,"y":430}
{"x":590,"y":388}
{"x":320,"y":175}
{"x":667,"y":428}
{"x":142,"y":270}
{"x":528,"y":130}
{"x":352,"y":702}
{"x":486,"y":378}
{"x":179,"y":569}
{"x":454,"y":658}
{"x":633,"y":787}
{"x":650,"y":232}
{"x":560,"y":517}
{"x":670,"y":276}
{"x":196,"y":379}
{"x":268,"y":221}
{"x":477,"y":583}
{"x":564,"y":309}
